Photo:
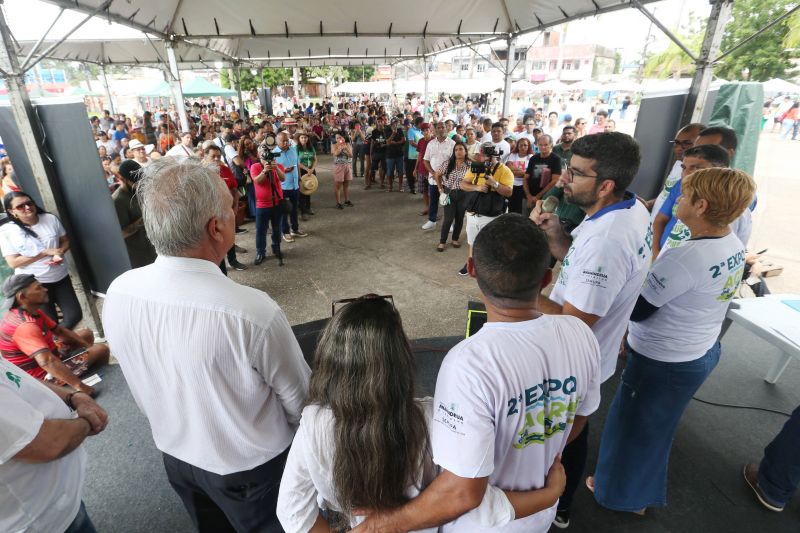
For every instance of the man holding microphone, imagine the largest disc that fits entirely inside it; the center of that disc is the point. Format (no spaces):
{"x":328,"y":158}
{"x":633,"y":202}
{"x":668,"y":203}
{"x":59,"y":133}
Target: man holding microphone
{"x":604,"y":260}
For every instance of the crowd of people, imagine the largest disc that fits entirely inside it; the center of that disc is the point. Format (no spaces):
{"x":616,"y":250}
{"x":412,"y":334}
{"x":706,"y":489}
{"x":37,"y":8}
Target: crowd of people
{"x":254,"y":440}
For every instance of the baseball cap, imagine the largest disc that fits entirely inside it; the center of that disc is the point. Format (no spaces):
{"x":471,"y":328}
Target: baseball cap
{"x":13,"y":285}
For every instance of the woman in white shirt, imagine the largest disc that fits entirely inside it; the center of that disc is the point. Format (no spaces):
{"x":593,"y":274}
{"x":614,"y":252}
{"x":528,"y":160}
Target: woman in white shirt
{"x":672,"y":341}
{"x":518,"y":163}
{"x":34,"y":242}
{"x":363,"y":440}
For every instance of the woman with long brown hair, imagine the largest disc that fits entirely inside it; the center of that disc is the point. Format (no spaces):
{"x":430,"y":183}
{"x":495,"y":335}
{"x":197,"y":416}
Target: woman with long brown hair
{"x":363,"y":440}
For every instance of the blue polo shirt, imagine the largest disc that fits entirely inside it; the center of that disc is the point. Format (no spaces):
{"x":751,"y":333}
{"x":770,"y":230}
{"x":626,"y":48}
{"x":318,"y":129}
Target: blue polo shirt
{"x":289,"y":158}
{"x":414,"y":134}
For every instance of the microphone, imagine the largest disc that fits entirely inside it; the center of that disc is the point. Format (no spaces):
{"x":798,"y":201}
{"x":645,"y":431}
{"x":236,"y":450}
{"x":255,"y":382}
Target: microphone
{"x":550,"y":204}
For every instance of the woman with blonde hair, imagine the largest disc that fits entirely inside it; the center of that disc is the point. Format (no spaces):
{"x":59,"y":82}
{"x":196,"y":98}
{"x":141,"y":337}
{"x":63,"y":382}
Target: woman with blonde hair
{"x":672,"y":341}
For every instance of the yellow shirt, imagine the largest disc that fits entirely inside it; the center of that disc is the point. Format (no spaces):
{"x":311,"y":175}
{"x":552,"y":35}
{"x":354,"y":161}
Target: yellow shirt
{"x":502,"y":175}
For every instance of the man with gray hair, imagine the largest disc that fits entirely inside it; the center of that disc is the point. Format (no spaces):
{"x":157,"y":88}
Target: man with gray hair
{"x":213,"y":364}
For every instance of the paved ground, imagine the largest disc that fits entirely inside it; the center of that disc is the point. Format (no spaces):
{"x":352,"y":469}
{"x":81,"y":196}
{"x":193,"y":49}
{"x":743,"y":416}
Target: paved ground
{"x":378,"y":246}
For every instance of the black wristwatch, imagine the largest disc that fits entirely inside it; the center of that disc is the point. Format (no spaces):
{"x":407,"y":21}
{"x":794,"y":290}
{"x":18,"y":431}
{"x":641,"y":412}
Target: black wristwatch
{"x":68,"y":399}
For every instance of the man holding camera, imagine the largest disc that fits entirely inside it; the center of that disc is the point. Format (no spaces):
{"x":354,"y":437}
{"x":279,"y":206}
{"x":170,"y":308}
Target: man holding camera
{"x":488,"y":183}
{"x":267,"y":177}
{"x":286,"y":155}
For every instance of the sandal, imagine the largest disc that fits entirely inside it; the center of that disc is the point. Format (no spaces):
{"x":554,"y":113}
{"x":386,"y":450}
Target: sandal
{"x":440,"y":247}
{"x":455,"y":244}
{"x":590,"y":486}
{"x":422,"y":213}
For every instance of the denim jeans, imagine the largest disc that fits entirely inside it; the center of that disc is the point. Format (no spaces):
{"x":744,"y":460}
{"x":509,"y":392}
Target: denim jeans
{"x":433,"y":203}
{"x":395,"y":167}
{"x":779,"y":471}
{"x":82,"y":522}
{"x":359,"y":153}
{"x":250,"y":189}
{"x":264,"y":217}
{"x":292,"y":196}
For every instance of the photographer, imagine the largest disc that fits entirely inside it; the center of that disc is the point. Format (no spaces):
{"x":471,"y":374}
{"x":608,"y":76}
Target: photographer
{"x":487,"y":185}
{"x":267,"y":176}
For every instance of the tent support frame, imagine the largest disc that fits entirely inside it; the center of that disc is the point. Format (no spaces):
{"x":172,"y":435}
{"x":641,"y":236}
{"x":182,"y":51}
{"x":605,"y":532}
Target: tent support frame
{"x":22,"y":109}
{"x":510,"y":51}
{"x":175,"y":85}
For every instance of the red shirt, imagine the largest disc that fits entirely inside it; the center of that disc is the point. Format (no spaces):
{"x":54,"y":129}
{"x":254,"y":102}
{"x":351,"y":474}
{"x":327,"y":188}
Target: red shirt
{"x":422,"y":145}
{"x":227,"y":176}
{"x":264,"y":192}
{"x":23,"y":335}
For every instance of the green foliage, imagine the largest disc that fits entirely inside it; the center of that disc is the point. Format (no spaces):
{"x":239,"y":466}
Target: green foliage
{"x":765,"y":56}
{"x":273,"y":77}
{"x":673,"y":61}
{"x":792,"y":39}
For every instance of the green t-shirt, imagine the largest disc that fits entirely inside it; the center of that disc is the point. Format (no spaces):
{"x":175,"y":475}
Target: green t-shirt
{"x":306,"y":157}
{"x":570,"y":214}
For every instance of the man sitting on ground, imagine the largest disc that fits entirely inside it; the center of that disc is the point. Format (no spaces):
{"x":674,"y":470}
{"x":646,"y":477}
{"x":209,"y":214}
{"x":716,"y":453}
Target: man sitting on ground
{"x":27,"y":337}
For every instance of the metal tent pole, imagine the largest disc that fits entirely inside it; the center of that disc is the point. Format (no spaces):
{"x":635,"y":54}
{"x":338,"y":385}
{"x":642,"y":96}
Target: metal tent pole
{"x":238,"y":75}
{"x":22,"y":110}
{"x":108,"y":89}
{"x":507,"y":73}
{"x":698,"y":91}
{"x":175,"y":85}
{"x":425,"y":75}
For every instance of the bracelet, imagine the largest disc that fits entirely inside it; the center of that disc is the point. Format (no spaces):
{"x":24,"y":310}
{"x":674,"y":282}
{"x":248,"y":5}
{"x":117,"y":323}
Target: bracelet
{"x":68,"y":399}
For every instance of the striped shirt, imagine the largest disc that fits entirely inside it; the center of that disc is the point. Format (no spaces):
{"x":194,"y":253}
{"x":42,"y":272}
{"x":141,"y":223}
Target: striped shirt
{"x":452,"y":180}
{"x":213,"y":364}
{"x":23,"y":335}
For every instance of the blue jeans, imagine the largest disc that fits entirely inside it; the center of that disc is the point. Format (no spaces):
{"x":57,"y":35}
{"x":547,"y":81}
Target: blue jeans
{"x":779,"y":471}
{"x":264,"y":217}
{"x":395,"y":167}
{"x":82,"y":522}
{"x":292,"y":196}
{"x":250,"y":189}
{"x":631,"y":471}
{"x":433,"y":203}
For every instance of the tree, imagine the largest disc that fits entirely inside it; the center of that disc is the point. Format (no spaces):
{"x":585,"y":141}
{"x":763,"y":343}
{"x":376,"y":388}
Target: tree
{"x":765,"y":56}
{"x":792,"y":39}
{"x":673,"y":61}
{"x":273,"y":78}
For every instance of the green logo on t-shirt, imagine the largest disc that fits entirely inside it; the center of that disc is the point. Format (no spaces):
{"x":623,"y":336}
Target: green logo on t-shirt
{"x":14,"y":378}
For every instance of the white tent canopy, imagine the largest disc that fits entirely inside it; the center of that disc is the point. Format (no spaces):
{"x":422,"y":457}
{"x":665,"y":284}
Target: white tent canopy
{"x":777,"y":85}
{"x":553,"y":85}
{"x":247,"y":30}
{"x":523,"y":86}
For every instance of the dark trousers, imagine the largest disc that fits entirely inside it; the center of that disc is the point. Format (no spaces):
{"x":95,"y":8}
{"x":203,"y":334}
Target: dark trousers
{"x":266,"y":216}
{"x":410,"y":179}
{"x":433,"y":202}
{"x":290,"y":220}
{"x":304,"y":199}
{"x":453,"y":214}
{"x":232,"y":254}
{"x":359,"y":155}
{"x":239,"y":502}
{"x":779,"y":471}
{"x":517,"y":200}
{"x":574,"y":460}
{"x":250,"y":189}
{"x":62,"y":293}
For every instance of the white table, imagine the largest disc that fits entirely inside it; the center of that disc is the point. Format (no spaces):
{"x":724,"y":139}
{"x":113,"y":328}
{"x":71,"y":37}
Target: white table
{"x":764,"y":317}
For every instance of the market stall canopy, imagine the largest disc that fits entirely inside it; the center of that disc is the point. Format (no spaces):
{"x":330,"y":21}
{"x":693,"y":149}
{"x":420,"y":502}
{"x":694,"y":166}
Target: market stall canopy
{"x":80,"y":91}
{"x":161,"y":89}
{"x":523,"y":86}
{"x":351,"y":31}
{"x":777,"y":85}
{"x":201,"y":87}
{"x":449,"y":86}
{"x":587,"y":85}
{"x":554,"y":85}
{"x":623,"y":86}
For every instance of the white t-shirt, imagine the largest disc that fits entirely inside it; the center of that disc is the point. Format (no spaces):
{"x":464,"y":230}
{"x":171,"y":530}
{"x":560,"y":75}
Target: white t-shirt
{"x":505,"y":402}
{"x":504,"y":147}
{"x":680,"y":233}
{"x":692,"y":286}
{"x":307,"y":482}
{"x":437,"y":152}
{"x":514,"y":161}
{"x":230,"y":153}
{"x":180,"y":152}
{"x":43,"y":497}
{"x":15,"y":241}
{"x":603,"y":271}
{"x":672,"y":178}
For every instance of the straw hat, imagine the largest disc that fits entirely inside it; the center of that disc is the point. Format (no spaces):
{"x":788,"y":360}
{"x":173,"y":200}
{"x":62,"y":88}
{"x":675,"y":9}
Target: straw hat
{"x":308,"y":184}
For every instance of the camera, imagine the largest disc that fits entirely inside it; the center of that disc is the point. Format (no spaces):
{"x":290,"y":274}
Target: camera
{"x":479,"y":167}
{"x":492,"y":151}
{"x":269,"y":156}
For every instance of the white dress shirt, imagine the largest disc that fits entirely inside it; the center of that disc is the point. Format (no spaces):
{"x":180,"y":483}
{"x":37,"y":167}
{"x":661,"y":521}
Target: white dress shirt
{"x":213,"y":364}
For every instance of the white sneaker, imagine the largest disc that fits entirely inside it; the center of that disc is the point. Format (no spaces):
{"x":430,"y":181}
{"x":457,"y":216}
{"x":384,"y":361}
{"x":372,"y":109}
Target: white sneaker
{"x":428,"y":225}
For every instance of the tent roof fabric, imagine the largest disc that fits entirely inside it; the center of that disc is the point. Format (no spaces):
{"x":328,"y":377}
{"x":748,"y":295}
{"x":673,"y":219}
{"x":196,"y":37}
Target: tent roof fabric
{"x":345,"y":32}
{"x":200,"y":87}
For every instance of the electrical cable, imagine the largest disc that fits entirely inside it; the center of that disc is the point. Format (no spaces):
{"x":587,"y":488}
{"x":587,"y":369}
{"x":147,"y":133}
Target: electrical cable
{"x":733,"y":406}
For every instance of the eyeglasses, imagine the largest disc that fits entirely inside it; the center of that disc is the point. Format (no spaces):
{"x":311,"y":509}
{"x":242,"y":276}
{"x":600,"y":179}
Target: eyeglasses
{"x":25,"y":205}
{"x":685,"y":144}
{"x":370,"y":296}
{"x":573,"y":174}
{"x":580,"y":123}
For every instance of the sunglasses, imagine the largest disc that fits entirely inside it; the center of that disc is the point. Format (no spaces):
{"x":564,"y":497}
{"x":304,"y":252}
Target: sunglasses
{"x":371,"y":296}
{"x":25,"y":205}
